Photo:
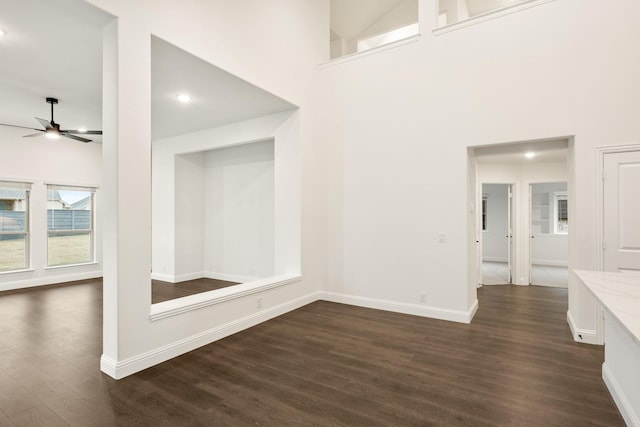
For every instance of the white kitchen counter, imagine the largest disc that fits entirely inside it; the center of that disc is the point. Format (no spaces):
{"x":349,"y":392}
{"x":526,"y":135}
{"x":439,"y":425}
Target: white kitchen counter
{"x":619,"y":295}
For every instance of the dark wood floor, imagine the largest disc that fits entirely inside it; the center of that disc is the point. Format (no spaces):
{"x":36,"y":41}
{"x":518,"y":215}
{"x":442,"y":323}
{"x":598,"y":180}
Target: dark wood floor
{"x":324,"y":364}
{"x":164,"y":291}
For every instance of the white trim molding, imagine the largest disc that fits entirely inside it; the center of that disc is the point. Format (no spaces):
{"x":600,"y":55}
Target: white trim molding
{"x":47,"y":279}
{"x":622,"y":402}
{"x":177,"y":306}
{"x":126,"y":367}
{"x":403,"y":307}
{"x":587,"y":336}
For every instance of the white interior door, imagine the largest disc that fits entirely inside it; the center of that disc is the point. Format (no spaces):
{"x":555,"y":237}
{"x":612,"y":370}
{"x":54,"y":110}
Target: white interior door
{"x":621,"y":243}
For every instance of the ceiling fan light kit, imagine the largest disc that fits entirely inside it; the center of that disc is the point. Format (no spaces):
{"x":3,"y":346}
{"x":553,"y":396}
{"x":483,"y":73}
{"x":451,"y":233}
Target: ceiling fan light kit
{"x":52,"y":129}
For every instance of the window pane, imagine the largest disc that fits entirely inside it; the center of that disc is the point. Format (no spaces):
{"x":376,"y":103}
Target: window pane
{"x":14,"y":224}
{"x":70,"y":226}
{"x":68,"y":248}
{"x":13,"y":252}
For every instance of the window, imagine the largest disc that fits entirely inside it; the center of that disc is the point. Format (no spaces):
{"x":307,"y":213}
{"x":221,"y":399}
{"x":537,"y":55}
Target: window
{"x":561,"y":213}
{"x":14,"y":225}
{"x":388,"y":37}
{"x":484,"y":213}
{"x":361,"y":26}
{"x":70,"y":225}
{"x":454,"y":11}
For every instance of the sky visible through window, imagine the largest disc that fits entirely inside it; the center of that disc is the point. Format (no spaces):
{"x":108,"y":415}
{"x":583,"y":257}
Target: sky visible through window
{"x":73,"y":196}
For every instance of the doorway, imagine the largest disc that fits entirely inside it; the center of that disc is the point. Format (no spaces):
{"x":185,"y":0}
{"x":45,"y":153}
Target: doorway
{"x":549,"y":234}
{"x":497,"y":234}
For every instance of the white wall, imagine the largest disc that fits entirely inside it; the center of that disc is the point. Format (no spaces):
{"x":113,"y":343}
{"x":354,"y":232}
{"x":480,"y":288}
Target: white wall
{"x":239,"y":218}
{"x":401,"y":121}
{"x":224,"y":212}
{"x":41,"y":161}
{"x":384,"y":131}
{"x":216,"y":32}
{"x":189,"y":214}
{"x":494,"y":242}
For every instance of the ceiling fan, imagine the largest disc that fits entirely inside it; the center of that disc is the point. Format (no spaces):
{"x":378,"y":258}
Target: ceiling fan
{"x":52,"y":129}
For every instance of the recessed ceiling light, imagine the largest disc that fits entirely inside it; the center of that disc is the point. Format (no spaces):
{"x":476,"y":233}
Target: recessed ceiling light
{"x":2,"y":32}
{"x":82,"y":129}
{"x":184,"y":98}
{"x":529,"y":154}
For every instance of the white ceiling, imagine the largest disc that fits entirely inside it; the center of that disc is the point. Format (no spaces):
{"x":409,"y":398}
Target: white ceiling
{"x":546,"y":152}
{"x":53,"y":48}
{"x":217,"y":97}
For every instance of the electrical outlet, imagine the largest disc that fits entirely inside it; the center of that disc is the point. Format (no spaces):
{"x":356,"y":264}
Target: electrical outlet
{"x":259,"y":302}
{"x":423,"y":297}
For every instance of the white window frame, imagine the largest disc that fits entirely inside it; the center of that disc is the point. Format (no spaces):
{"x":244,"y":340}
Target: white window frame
{"x":557,"y":196}
{"x":26,"y":186}
{"x":91,"y":230}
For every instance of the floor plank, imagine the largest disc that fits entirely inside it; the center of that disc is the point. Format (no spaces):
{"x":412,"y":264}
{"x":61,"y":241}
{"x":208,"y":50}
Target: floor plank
{"x":323,"y":364}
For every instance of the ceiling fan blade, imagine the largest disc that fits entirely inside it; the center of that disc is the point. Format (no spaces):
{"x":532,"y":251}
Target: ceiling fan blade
{"x":45,"y":123}
{"x":77,"y":138}
{"x":34,"y":134}
{"x":15,"y":126}
{"x":86,"y":132}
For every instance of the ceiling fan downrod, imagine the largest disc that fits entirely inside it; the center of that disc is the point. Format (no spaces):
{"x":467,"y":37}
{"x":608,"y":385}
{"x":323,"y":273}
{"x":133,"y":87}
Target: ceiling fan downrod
{"x":52,"y":101}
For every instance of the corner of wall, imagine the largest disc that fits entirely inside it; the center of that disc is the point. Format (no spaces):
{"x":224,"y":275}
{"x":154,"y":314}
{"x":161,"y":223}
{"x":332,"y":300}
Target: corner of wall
{"x":586,"y":336}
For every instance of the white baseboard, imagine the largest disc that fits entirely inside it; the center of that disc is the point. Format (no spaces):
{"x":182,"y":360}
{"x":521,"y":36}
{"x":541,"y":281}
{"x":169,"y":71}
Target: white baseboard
{"x":143,"y":361}
{"x":49,"y":280}
{"x":549,"y":262}
{"x":625,"y":408}
{"x":494,"y":259}
{"x":229,"y":277}
{"x":402,"y":307}
{"x":170,"y":278}
{"x":587,"y":336}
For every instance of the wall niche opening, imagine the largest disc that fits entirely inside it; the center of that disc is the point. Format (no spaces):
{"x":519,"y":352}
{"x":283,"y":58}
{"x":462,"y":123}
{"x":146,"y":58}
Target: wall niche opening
{"x":225,"y":185}
{"x":224,"y":219}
